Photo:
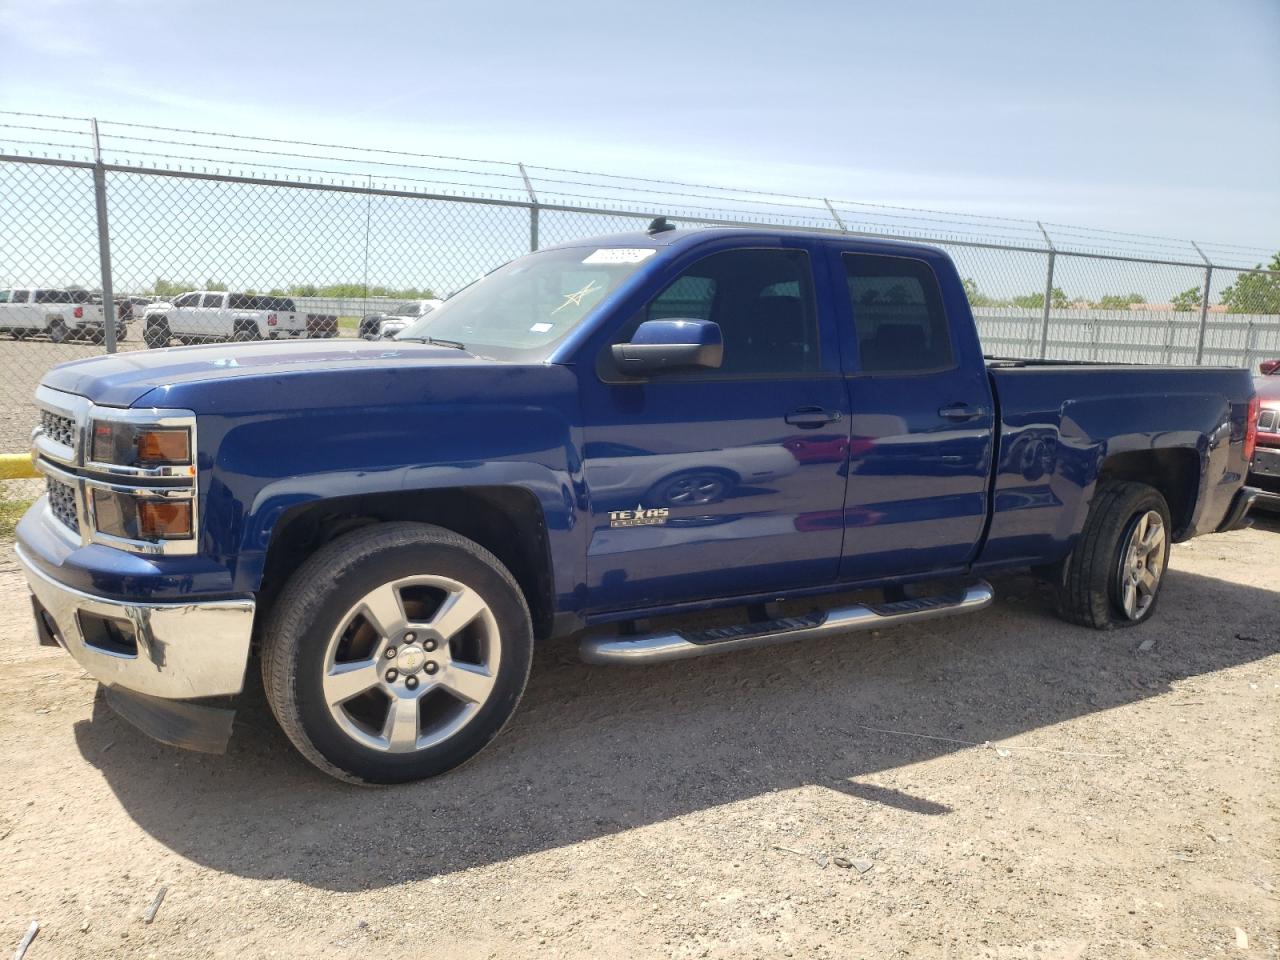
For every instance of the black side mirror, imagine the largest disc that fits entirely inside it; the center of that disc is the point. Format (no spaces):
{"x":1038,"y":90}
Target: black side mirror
{"x":670,"y":345}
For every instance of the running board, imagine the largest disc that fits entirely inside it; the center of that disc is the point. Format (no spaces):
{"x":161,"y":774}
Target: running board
{"x":683,"y":644}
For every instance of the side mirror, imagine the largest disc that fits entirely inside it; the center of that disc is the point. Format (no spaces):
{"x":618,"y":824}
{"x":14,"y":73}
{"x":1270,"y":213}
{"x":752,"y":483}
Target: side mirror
{"x":670,"y":345}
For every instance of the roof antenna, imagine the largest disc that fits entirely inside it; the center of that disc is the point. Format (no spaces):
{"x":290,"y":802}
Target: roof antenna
{"x":660,"y":225}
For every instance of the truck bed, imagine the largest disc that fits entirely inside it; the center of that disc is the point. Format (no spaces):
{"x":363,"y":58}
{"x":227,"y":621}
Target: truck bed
{"x":1060,"y":421}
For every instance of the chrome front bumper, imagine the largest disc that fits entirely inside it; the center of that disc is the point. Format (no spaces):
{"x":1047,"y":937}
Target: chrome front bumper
{"x":173,"y":651}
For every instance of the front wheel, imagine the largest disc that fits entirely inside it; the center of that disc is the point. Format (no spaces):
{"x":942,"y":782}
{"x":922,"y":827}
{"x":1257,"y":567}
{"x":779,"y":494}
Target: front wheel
{"x":156,"y":335}
{"x":1112,"y":578}
{"x":396,"y":653}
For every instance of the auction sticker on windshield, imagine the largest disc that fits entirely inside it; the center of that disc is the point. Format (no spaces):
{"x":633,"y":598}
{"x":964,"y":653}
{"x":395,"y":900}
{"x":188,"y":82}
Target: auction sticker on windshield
{"x":620,"y":255}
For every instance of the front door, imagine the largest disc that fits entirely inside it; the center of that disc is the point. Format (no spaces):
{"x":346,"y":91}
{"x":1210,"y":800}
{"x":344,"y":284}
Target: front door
{"x":727,"y":482}
{"x":922,"y":419}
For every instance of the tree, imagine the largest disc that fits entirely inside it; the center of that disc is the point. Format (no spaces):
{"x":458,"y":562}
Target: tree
{"x":976,"y":297}
{"x":215,"y":285}
{"x":1187,"y":300}
{"x":168,"y":288}
{"x":1119,"y":301}
{"x":1036,"y":300}
{"x":1255,"y":292}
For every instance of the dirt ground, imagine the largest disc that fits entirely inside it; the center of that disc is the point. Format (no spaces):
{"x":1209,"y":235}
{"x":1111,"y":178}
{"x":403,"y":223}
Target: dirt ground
{"x":1001,"y":786}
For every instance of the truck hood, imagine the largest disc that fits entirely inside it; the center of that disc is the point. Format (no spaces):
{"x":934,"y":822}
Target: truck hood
{"x":123,"y":379}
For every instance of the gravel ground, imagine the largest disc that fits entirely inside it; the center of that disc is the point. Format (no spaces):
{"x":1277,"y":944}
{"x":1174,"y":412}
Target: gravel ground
{"x":1002,"y":786}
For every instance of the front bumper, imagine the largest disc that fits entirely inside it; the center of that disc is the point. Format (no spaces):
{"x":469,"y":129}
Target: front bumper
{"x":170,"y":651}
{"x":1264,"y":473}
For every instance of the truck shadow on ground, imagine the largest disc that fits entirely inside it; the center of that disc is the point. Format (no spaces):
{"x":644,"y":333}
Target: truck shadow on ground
{"x":594,"y":751}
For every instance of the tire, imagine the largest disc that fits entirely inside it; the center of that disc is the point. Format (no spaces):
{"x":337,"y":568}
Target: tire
{"x":122,"y":333}
{"x":58,"y":332}
{"x":1092,"y":589}
{"x":156,"y":335}
{"x":244,"y":334}
{"x":95,"y":336}
{"x":320,"y":624}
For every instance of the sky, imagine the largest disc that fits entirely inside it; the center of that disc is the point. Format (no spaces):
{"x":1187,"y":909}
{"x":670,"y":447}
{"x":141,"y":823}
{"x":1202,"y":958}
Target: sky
{"x":1155,"y":116}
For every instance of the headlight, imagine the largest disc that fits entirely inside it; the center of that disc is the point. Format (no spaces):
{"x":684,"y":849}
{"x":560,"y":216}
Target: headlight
{"x":133,"y":517}
{"x":125,"y":444}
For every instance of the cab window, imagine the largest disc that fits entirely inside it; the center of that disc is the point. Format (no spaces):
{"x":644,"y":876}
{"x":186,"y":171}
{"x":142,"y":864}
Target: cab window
{"x":764,"y":303}
{"x":898,"y":315}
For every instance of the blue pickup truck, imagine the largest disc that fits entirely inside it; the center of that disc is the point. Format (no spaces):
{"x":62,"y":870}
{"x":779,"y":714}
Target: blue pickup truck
{"x":598,"y":439}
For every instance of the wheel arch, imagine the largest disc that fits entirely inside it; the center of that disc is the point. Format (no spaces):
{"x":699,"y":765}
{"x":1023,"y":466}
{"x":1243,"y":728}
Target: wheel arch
{"x":1174,"y":471}
{"x":508,"y":521}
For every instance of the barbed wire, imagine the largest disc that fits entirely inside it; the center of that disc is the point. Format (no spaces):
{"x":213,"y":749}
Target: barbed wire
{"x":642,"y":193}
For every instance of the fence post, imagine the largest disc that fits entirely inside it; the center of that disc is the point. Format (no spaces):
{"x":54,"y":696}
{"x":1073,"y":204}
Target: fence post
{"x":835,"y":216}
{"x":533,"y":209}
{"x":1204,"y":304}
{"x":104,"y":243}
{"x":1048,"y":293}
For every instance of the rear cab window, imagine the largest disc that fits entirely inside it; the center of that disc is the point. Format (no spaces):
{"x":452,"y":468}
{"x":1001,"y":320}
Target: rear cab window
{"x":898,"y":315}
{"x":213,"y":300}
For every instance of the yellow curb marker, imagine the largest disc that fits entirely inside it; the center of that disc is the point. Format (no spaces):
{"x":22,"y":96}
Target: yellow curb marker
{"x":17,"y":466}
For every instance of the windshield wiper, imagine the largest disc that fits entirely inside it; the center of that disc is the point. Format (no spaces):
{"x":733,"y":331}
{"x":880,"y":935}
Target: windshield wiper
{"x":437,"y":342}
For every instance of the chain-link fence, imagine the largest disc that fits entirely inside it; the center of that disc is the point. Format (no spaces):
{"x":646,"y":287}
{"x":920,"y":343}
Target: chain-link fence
{"x":239,"y":237}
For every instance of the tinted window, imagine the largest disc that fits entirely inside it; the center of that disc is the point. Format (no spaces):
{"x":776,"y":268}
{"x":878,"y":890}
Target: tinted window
{"x":52,"y":296}
{"x":82,"y":296}
{"x":763,"y":302}
{"x":239,"y":301}
{"x":689,"y":298}
{"x":20,"y":296}
{"x":212,"y":300}
{"x":898,"y":315}
{"x":188,"y":300}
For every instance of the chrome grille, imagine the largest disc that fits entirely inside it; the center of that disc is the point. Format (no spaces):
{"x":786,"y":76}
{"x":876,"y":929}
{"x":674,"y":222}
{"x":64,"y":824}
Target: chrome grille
{"x":58,"y":428}
{"x":62,"y":501}
{"x":1269,"y":421}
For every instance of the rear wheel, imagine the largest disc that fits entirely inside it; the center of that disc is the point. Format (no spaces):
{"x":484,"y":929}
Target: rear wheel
{"x":58,"y":332}
{"x":1112,"y":578}
{"x":396,"y":653}
{"x":245,"y":333}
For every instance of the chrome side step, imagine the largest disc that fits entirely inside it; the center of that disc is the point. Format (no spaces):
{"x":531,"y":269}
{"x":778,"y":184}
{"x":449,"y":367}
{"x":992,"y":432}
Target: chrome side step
{"x":683,"y":644}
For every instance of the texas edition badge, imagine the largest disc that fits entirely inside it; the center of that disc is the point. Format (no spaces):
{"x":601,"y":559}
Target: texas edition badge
{"x":639,"y":517}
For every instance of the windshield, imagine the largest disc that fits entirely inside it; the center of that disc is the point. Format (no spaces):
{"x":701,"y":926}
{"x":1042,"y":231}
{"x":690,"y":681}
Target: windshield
{"x":523,"y":309}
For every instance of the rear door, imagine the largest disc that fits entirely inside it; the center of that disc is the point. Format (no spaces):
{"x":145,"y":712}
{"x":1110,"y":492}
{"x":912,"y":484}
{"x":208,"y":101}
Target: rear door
{"x":922,"y":418}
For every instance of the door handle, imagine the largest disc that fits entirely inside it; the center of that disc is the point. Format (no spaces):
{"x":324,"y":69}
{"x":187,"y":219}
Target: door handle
{"x":961,"y":411}
{"x":810,"y":418}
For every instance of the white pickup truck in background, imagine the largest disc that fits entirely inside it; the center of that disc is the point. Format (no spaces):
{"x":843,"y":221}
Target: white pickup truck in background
{"x":60,"y":315}
{"x":215,"y":315}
